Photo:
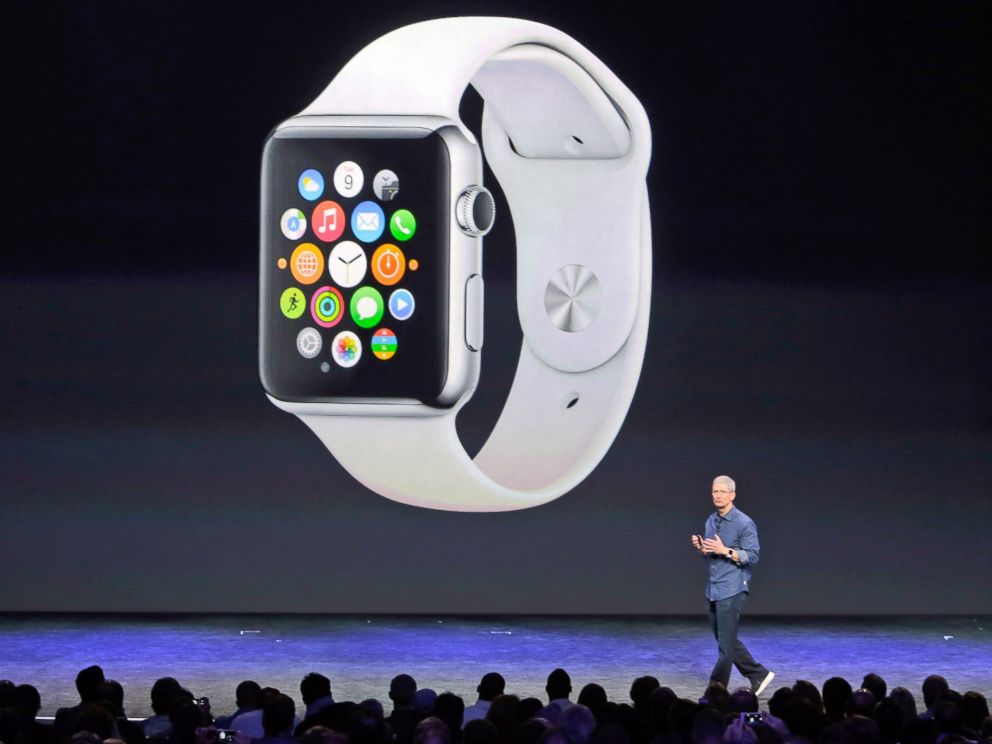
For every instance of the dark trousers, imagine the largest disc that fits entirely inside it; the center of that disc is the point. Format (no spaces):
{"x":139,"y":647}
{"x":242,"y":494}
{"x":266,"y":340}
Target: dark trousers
{"x":725,"y":617}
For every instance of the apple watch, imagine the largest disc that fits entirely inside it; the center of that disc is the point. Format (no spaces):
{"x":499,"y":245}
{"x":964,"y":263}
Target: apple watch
{"x":373,"y":214}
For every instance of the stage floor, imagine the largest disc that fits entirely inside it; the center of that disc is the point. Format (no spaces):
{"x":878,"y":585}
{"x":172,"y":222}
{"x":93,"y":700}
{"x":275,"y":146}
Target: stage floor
{"x":211,"y":654}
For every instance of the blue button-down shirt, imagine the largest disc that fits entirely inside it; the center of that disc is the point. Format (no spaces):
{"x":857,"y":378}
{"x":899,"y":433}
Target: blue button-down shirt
{"x":729,"y":578}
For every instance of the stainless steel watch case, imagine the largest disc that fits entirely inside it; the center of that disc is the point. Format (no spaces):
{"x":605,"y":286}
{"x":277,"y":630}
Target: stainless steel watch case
{"x":464,"y":258}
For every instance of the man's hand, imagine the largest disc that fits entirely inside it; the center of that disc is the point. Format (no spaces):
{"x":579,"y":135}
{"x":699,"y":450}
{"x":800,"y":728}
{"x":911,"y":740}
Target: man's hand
{"x":714,"y":545}
{"x":697,"y":542}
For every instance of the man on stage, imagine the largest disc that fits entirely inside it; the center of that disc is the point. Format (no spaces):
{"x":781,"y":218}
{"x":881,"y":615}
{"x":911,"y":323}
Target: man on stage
{"x":730,"y":545}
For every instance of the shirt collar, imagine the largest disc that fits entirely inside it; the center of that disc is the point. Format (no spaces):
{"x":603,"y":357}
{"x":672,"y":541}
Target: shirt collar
{"x":730,"y":516}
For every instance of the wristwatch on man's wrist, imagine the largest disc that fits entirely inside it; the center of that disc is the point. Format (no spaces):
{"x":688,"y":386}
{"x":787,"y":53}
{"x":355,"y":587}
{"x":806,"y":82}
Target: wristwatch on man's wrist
{"x":371,"y":292}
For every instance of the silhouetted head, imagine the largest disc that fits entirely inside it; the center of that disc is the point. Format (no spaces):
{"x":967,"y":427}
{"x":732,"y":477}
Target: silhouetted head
{"x":658,"y":706}
{"x":906,"y":701}
{"x":432,"y":730}
{"x":532,"y":731}
{"x":641,"y":689}
{"x":113,"y":692}
{"x":858,"y":729}
{"x":322,"y":735}
{"x":948,"y":717}
{"x":975,"y":708}
{"x":503,"y":714}
{"x":779,"y":699}
{"x":743,"y":701}
{"x":480,"y":731}
{"x":836,"y":693}
{"x":246,"y":694}
{"x":277,"y":715}
{"x":593,"y":696}
{"x":401,"y":690}
{"x":876,"y":684}
{"x":186,"y":718}
{"x":888,"y":716}
{"x":423,"y":701}
{"x":368,"y":725}
{"x":491,"y":686}
{"x":313,"y":687}
{"x":578,"y":722}
{"x":809,"y":692}
{"x":27,"y":701}
{"x":559,"y":684}
{"x":528,"y":708}
{"x":934,"y":688}
{"x":862,"y":703}
{"x":373,"y":705}
{"x":96,"y":718}
{"x":87,"y":683}
{"x":164,"y":692}
{"x":803,"y":718}
{"x":680,"y":717}
{"x":451,"y":709}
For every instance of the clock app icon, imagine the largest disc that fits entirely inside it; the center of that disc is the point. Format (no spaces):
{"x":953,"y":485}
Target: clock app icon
{"x":347,"y":263}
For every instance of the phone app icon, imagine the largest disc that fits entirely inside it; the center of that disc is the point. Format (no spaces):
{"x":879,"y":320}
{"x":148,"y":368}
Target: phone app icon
{"x":388,"y":264}
{"x":348,"y":178}
{"x":368,"y":221}
{"x":306,"y":263}
{"x":347,"y":263}
{"x":384,"y":343}
{"x":310,"y":184}
{"x":366,"y":307}
{"x":401,"y":304}
{"x":402,"y":224}
{"x":309,"y":342}
{"x":293,"y":224}
{"x":386,"y":185}
{"x":346,"y":349}
{"x":328,"y":221}
{"x":292,"y":302}
{"x":327,"y":307}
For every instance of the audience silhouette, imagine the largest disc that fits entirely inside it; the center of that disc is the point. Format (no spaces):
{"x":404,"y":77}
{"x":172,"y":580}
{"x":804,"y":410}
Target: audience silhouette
{"x":801,"y":714}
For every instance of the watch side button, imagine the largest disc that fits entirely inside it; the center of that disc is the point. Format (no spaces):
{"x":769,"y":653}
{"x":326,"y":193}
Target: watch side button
{"x":473,"y":312}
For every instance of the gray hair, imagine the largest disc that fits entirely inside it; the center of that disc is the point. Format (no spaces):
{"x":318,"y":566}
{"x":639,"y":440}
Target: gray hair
{"x":726,"y":480}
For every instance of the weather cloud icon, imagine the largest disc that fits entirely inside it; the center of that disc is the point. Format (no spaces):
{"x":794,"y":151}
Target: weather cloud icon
{"x":310,"y":184}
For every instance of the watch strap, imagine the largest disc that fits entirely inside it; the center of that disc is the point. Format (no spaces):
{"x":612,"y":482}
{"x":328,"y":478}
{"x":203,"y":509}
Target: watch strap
{"x":563,"y":135}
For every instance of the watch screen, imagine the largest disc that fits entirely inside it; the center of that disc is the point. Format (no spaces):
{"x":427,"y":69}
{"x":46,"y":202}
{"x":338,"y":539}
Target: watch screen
{"x":354,"y":265}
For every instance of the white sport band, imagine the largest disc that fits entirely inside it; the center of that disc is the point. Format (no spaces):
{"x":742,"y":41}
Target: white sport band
{"x":570,"y":146}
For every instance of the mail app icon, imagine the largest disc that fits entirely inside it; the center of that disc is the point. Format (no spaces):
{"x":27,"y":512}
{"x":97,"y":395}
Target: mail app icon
{"x":368,"y":221}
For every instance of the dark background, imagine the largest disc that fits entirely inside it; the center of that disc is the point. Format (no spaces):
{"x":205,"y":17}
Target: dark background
{"x":819,"y":327}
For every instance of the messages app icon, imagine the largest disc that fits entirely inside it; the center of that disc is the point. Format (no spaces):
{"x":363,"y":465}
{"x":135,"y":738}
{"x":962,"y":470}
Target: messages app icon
{"x":366,"y":307}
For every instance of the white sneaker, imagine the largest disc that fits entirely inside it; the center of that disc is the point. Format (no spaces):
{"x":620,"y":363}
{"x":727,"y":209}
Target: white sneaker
{"x":764,"y":683}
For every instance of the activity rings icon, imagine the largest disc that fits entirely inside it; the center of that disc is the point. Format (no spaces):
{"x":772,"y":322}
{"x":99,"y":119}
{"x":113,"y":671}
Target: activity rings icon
{"x":327,"y":306}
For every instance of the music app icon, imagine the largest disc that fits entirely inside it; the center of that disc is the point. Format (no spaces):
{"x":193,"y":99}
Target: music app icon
{"x":328,"y":221}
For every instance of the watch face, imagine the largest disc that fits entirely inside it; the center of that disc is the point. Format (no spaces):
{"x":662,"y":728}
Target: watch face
{"x":354,"y":265}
